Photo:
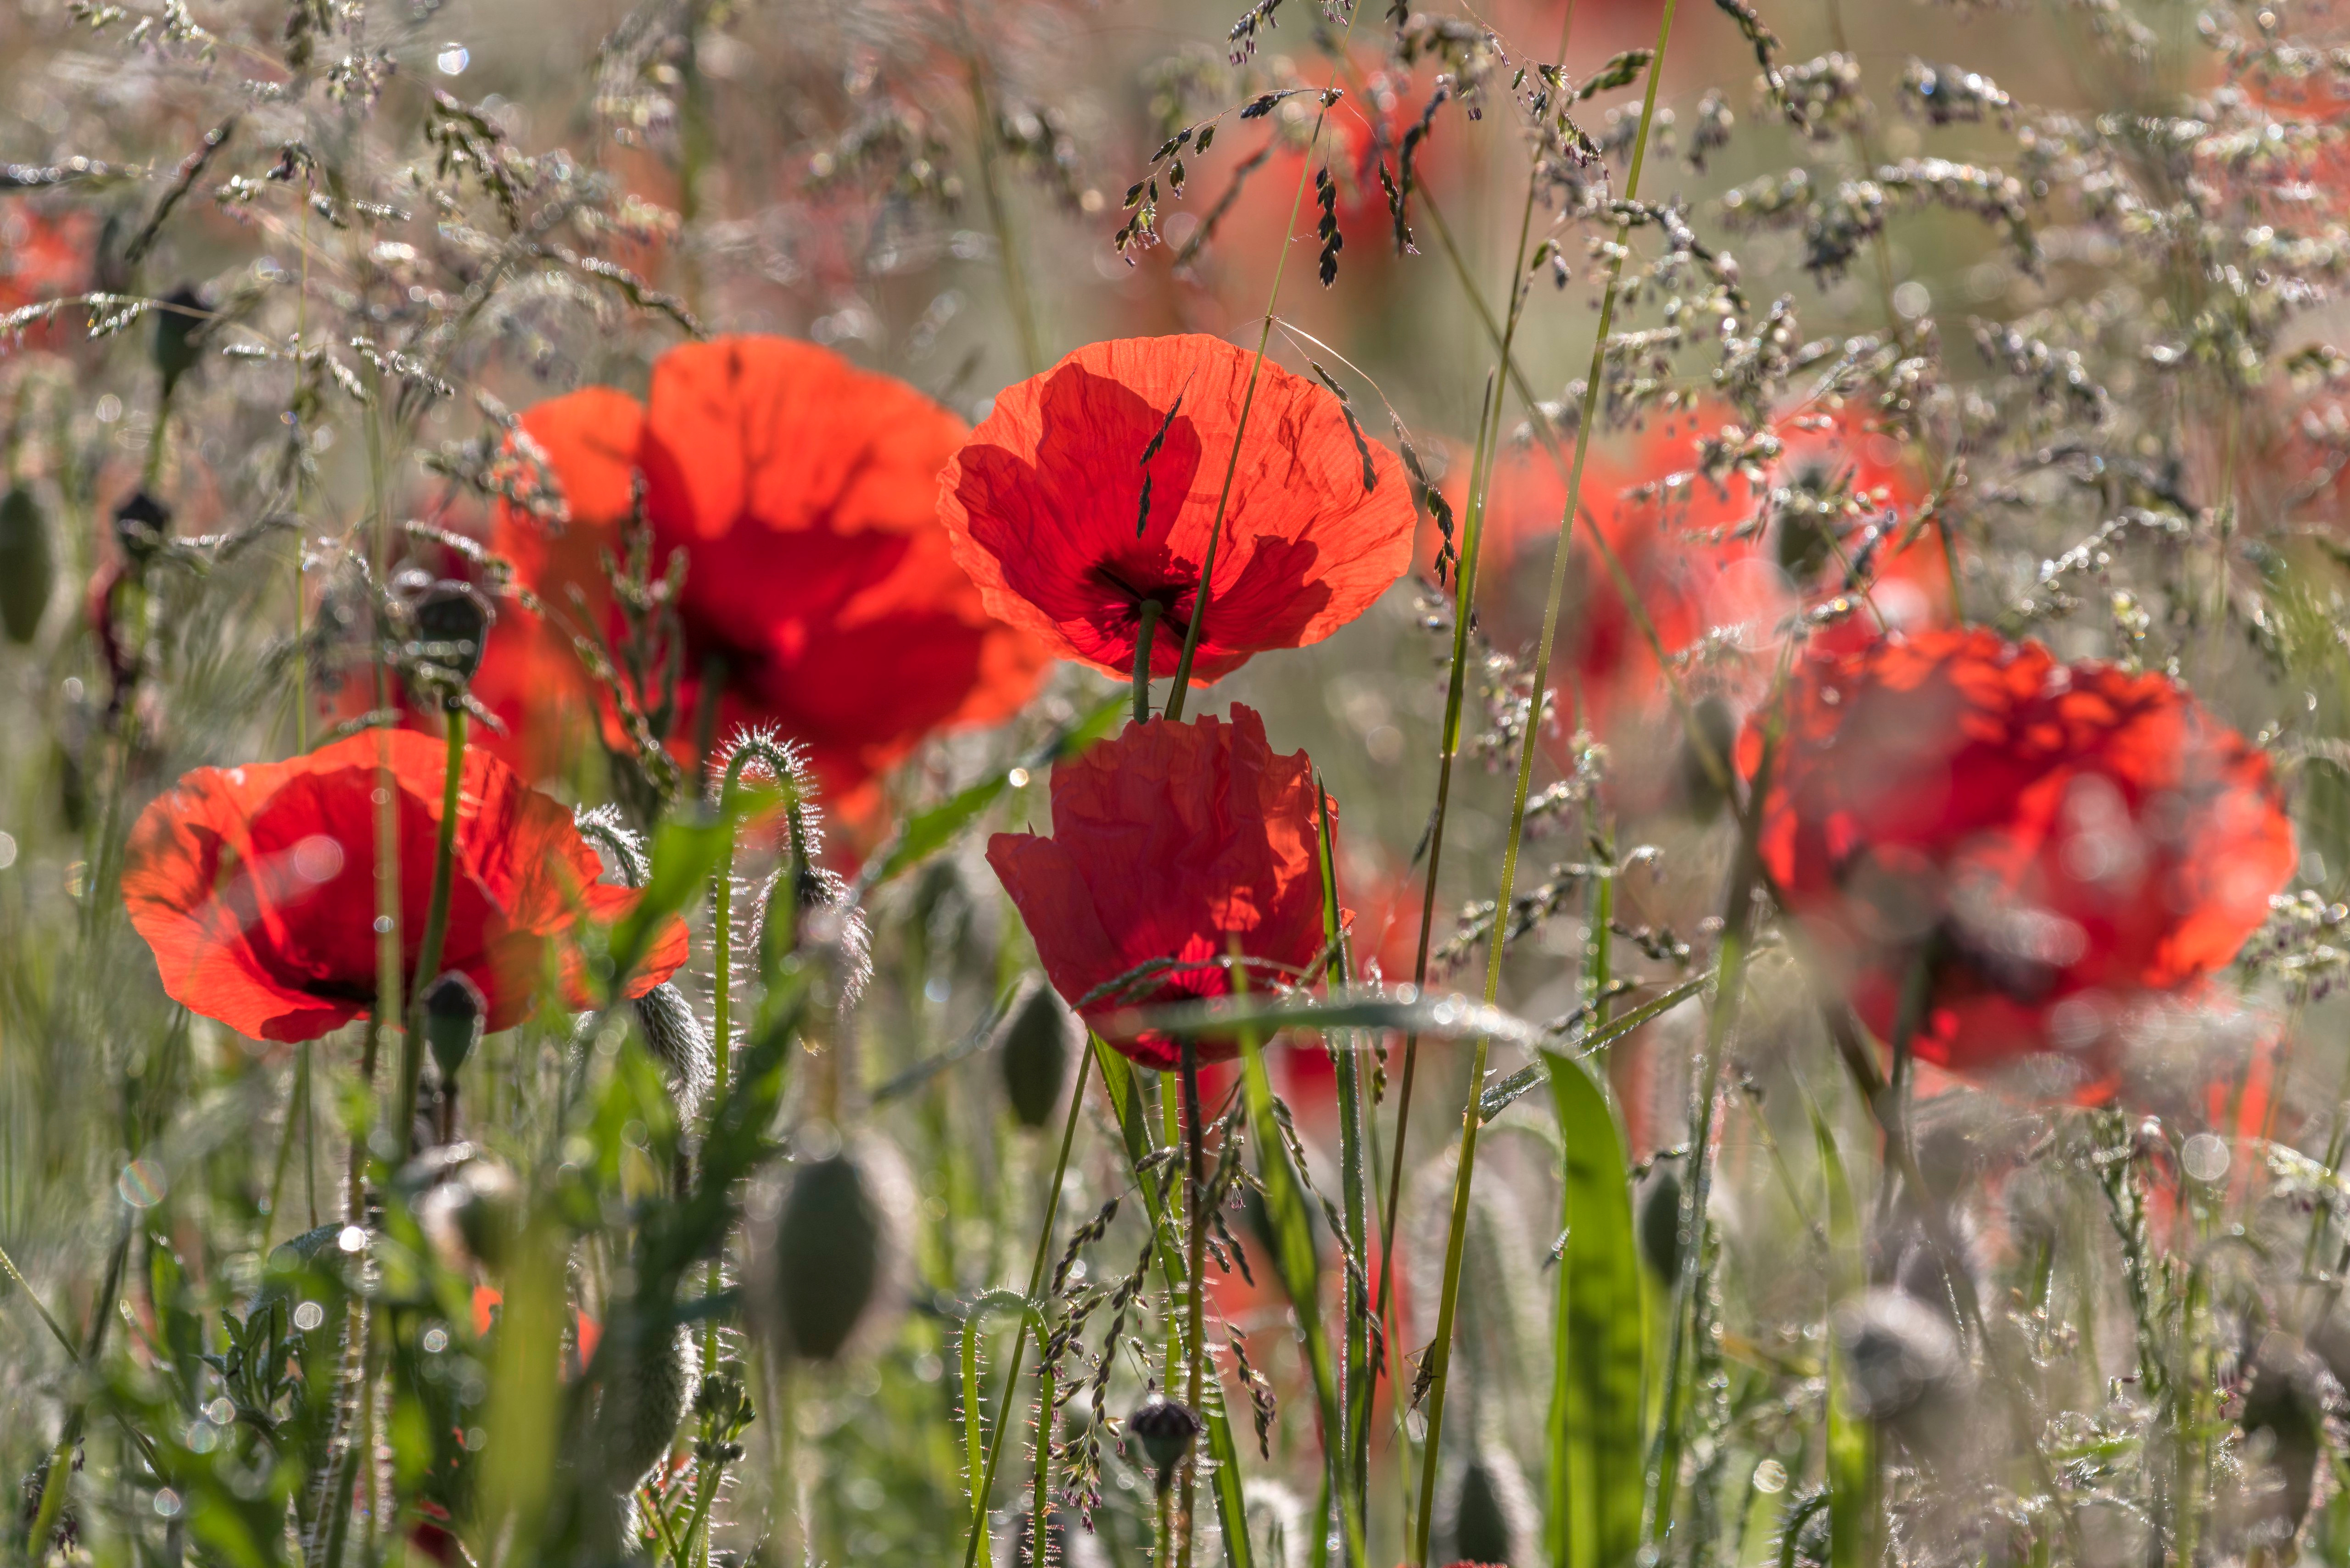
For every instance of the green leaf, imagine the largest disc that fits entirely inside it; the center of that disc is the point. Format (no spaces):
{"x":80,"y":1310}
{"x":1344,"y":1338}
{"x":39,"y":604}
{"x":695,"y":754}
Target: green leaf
{"x":1851,"y":1444}
{"x":927,"y":832}
{"x":686,"y":852}
{"x":1450,"y":1017}
{"x":1596,"y":1337}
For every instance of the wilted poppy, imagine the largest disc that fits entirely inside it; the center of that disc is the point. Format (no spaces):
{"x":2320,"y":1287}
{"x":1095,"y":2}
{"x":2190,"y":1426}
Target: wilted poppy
{"x":1168,"y":843}
{"x":820,"y":595}
{"x":255,"y":886}
{"x":2058,"y":845}
{"x":1091,"y":490}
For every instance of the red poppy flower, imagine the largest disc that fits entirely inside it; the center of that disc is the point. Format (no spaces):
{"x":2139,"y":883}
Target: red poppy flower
{"x":1169,"y":842}
{"x":1092,"y":488}
{"x":255,"y":886}
{"x":819,"y":590}
{"x":2062,"y":844}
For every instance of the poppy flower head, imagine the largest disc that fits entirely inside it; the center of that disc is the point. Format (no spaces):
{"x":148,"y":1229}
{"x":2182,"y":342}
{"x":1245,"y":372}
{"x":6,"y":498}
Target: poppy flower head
{"x":820,"y":595}
{"x":1169,"y":842}
{"x":255,"y":886}
{"x":2059,"y":844}
{"x":1093,"y":489}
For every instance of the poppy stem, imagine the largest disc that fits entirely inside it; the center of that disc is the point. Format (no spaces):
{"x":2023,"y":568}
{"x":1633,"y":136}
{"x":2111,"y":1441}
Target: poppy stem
{"x":1020,"y":1333}
{"x":1152,"y":610}
{"x":1195,"y":1218}
{"x":1256,"y":369}
{"x":436,"y":928}
{"x":1725,"y":1008}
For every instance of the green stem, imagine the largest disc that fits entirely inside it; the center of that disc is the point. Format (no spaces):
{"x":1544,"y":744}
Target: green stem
{"x":1150,"y":612}
{"x":1464,"y":1175}
{"x":999,"y":214}
{"x":1039,"y":1512}
{"x":1195,"y":1220}
{"x":1248,"y":398}
{"x":436,"y":924}
{"x":974,"y":1438}
{"x":1020,"y":1335}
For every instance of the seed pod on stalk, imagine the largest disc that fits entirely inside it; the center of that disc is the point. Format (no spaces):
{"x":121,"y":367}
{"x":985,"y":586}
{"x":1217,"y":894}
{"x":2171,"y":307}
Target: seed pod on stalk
{"x":1165,"y":1430}
{"x":1034,"y":1048}
{"x":826,"y":1271}
{"x":27,"y":569}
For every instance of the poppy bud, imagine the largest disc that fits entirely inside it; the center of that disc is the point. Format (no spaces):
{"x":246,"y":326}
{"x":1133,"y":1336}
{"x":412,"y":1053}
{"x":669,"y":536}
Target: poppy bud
{"x":177,"y":325}
{"x":674,"y":1036}
{"x":2283,"y":1422}
{"x":1711,"y":716}
{"x":1900,"y":1356}
{"x":1491,"y":1513}
{"x":27,"y":572}
{"x":1165,"y":1430}
{"x":141,"y":525}
{"x":1036,"y":1045}
{"x":452,"y":627}
{"x":1657,"y":1199}
{"x":830,"y":1259}
{"x":644,"y":1398}
{"x":471,"y":1208}
{"x":453,"y":1019}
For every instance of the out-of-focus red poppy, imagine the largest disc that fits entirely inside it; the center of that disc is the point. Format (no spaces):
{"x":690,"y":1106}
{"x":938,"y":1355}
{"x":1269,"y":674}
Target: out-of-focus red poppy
{"x":1737,"y":553}
{"x":1091,"y":490}
{"x":41,"y":258}
{"x":255,"y":886}
{"x":820,"y":593}
{"x":2059,"y":844}
{"x":1168,"y":843}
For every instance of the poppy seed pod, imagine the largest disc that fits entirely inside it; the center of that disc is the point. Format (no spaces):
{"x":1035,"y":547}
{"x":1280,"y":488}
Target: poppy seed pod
{"x":644,"y":1398}
{"x":674,"y":1036}
{"x":1657,"y":1201}
{"x":452,"y":1020}
{"x":452,"y":628}
{"x":1035,"y":1047}
{"x":830,"y":1266}
{"x":1165,"y":1430}
{"x":1711,"y":718}
{"x":177,"y":324}
{"x":2284,"y":1420}
{"x":1491,"y":1513}
{"x":27,"y":571}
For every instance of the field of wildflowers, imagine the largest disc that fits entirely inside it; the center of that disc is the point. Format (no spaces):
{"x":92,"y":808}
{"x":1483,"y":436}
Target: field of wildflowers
{"x":851,"y":782}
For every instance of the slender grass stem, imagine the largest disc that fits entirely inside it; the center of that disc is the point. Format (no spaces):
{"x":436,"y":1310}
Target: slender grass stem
{"x":1464,"y":1173}
{"x":1019,"y":1334}
{"x":1175,"y":698}
{"x":1195,"y":1222}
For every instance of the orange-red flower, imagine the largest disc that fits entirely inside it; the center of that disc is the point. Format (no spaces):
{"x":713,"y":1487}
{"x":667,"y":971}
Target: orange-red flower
{"x":1168,"y":843}
{"x":2058,"y":845}
{"x":1093,"y":488}
{"x":819,"y":590}
{"x":255,"y":886}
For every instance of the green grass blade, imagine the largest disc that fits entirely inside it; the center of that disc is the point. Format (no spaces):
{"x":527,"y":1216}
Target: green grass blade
{"x":1851,"y":1444}
{"x":1597,"y":1332}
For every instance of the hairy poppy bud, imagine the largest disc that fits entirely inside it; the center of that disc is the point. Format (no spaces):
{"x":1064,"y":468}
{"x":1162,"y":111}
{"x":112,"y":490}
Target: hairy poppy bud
{"x":1166,"y":1431}
{"x":27,"y":571}
{"x":453,"y":1019}
{"x":1657,"y":1199}
{"x":470,"y":1208}
{"x":452,"y":627}
{"x":177,"y":325}
{"x":1035,"y":1047}
{"x":1900,"y":1355}
{"x":1711,"y":716}
{"x":1491,"y":1519}
{"x":644,"y":1398}
{"x":141,"y":525}
{"x":829,"y":1263}
{"x":674,"y":1036}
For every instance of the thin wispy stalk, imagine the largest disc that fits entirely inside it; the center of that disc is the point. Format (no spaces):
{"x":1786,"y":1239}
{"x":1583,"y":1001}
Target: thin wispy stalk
{"x":1464,"y":1173}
